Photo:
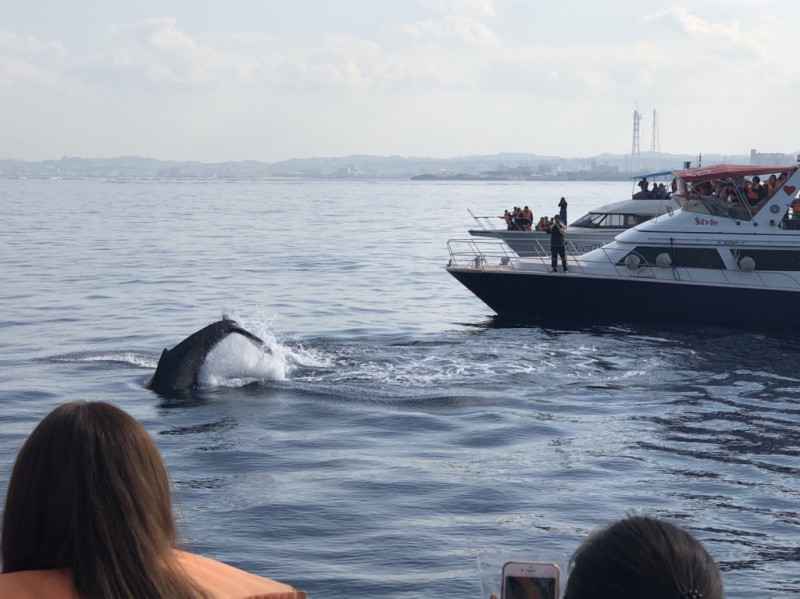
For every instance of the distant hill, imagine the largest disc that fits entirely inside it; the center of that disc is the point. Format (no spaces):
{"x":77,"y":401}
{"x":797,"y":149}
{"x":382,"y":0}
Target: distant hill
{"x":495,"y":166}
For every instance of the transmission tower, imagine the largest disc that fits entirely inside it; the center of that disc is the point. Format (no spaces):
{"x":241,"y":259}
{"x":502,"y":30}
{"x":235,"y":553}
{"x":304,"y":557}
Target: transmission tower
{"x":635,"y":157}
{"x":655,"y":150}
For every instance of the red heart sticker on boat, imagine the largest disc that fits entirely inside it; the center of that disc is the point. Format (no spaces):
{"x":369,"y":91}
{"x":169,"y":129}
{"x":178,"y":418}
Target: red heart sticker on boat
{"x":789,"y":189}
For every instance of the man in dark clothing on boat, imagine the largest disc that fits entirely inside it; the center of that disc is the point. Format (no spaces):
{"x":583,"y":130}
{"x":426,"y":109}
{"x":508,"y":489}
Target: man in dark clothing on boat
{"x":562,"y":205}
{"x":557,"y":242}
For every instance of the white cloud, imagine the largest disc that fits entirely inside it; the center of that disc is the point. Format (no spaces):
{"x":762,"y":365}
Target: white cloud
{"x":711,"y":35}
{"x":157,"y":51}
{"x":457,"y":7}
{"x":28,"y":59}
{"x":446,"y":72}
{"x":461,"y":29}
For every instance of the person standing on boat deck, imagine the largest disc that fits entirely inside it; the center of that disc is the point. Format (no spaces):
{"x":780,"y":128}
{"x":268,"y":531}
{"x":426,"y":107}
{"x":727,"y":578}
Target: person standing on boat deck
{"x":562,"y":205}
{"x":557,"y":243}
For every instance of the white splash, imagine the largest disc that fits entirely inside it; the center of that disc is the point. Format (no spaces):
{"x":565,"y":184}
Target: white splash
{"x":236,"y":361}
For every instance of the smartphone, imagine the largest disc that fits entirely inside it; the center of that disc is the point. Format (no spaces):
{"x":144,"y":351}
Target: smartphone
{"x":530,"y":580}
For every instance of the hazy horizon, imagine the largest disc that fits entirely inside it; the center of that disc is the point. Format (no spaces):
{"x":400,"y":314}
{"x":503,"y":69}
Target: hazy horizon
{"x":646,"y":156}
{"x":210,"y":82}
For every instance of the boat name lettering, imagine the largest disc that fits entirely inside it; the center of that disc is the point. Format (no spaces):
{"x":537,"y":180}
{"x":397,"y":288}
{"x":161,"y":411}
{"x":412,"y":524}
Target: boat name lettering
{"x":706,"y":221}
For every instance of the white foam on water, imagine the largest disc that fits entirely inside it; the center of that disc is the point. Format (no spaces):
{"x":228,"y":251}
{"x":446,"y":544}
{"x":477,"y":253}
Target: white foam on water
{"x":237,"y":361}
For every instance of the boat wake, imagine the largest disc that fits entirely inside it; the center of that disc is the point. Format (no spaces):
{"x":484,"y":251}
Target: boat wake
{"x":233,"y":362}
{"x":402,"y":370}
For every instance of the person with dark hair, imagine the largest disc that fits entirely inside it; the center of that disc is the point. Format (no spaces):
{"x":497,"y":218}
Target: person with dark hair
{"x":88,"y":516}
{"x":526,"y":219}
{"x":562,"y":209}
{"x":641,"y":556}
{"x":558,"y":245}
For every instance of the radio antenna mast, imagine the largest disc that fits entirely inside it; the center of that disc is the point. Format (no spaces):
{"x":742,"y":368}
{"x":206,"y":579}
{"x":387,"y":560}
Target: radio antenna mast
{"x":655,"y":150}
{"x":635,"y":155}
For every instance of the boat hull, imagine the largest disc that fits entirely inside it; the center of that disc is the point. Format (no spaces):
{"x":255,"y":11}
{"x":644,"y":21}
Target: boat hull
{"x":566,"y":296}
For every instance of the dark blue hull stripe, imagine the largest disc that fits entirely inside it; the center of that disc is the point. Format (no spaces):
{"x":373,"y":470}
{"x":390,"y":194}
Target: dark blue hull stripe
{"x":569,"y":296}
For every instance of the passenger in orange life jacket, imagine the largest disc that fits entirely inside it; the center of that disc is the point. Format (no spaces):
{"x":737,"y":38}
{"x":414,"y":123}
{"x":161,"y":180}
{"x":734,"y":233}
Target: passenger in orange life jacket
{"x":526,"y":219}
{"x":771,"y":185}
{"x":517,"y":218}
{"x":543,"y":224}
{"x":754,"y":191}
{"x":88,"y":516}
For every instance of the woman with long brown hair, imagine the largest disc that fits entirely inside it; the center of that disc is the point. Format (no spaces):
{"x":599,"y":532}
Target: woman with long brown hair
{"x":88,"y":515}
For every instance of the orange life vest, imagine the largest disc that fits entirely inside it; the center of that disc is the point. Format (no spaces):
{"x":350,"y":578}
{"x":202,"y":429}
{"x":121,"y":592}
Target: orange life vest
{"x":220,"y":580}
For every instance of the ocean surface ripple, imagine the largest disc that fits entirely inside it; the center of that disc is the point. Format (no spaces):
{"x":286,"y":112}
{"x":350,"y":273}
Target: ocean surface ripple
{"x":398,"y":433}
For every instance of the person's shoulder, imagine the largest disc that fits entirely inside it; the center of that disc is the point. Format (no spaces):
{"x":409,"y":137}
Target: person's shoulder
{"x":227,"y":582}
{"x":35,"y":584}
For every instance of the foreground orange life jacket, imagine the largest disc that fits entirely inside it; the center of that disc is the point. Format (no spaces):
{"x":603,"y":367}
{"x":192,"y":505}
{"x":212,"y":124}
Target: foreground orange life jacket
{"x":220,"y":580}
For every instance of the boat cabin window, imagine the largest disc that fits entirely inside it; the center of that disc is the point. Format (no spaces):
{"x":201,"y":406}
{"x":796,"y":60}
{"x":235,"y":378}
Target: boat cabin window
{"x":599,"y":220}
{"x":681,"y":256}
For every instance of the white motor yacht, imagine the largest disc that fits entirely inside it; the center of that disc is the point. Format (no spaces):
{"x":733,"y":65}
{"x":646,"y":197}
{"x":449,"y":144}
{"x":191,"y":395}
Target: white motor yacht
{"x":729,"y":255}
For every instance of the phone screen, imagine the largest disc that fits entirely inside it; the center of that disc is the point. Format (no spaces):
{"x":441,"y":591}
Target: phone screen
{"x":525,"y":587}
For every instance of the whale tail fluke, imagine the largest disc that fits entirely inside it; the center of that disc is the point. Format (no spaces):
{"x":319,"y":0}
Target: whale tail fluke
{"x":178,"y":367}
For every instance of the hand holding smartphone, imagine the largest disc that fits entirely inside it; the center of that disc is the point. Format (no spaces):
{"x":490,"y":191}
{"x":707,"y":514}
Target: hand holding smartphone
{"x":530,"y":580}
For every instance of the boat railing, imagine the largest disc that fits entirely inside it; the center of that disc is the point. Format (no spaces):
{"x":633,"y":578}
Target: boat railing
{"x":495,"y":254}
{"x":480,"y":254}
{"x":487,"y":223}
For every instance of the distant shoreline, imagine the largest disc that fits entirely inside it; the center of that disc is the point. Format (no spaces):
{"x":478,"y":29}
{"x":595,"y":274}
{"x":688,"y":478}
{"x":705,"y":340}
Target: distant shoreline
{"x":589,"y":176}
{"x":495,"y":167}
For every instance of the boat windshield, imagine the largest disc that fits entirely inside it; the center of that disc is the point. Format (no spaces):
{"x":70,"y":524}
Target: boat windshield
{"x":715,"y":206}
{"x":731,"y":191}
{"x":602,"y":220}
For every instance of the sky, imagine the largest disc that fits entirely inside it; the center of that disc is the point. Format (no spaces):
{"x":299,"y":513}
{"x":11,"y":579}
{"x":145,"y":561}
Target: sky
{"x":271,"y":80}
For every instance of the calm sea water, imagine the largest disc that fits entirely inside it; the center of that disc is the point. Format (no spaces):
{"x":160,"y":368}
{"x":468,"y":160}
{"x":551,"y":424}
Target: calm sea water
{"x":399,"y":436}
